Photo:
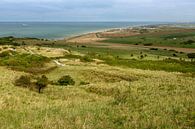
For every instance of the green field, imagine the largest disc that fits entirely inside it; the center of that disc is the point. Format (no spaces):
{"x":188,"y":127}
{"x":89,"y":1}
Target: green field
{"x":174,"y":39}
{"x":106,"y":88}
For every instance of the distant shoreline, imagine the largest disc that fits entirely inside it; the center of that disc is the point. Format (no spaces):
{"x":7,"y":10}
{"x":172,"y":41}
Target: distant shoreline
{"x":61,"y":30}
{"x":139,"y":26}
{"x":110,"y":29}
{"x":70,"y":36}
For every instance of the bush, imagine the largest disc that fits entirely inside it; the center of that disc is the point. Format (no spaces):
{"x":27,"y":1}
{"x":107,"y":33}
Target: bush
{"x":23,"y":61}
{"x":84,"y":83}
{"x":83,"y":46}
{"x":191,"y":55}
{"x":86,"y":59}
{"x":141,"y":57}
{"x":155,"y":49}
{"x":148,"y":44}
{"x":41,"y":83}
{"x":23,"y":81}
{"x":66,"y":80}
{"x":5,"y":54}
{"x":189,"y":42}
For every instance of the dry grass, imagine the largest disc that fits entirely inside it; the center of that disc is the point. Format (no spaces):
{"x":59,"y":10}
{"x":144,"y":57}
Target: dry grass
{"x":115,"y":98}
{"x":156,"y":99}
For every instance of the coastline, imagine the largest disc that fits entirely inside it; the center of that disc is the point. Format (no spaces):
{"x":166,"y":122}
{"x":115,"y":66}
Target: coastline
{"x":108,"y":30}
{"x":59,"y":31}
{"x":111,"y":29}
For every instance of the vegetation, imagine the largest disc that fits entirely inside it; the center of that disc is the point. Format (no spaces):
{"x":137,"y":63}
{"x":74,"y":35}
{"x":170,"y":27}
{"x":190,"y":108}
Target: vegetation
{"x":179,"y":39}
{"x":26,"y":82}
{"x":41,"y":83}
{"x":7,"y":53}
{"x":8,"y":41}
{"x":23,"y":62}
{"x":114,"y":87}
{"x":23,"y":81}
{"x":191,"y":55}
{"x":66,"y":80}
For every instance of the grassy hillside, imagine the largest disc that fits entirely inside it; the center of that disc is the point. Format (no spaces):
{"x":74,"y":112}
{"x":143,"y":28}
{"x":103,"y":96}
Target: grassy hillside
{"x":175,"y":39}
{"x":100,"y":87}
{"x":132,"y":99}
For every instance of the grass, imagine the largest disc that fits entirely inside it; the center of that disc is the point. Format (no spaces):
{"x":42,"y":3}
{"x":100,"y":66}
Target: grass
{"x":24,"y":62}
{"x":141,"y":103}
{"x":122,"y":91}
{"x":174,"y":39}
{"x":166,"y":65}
{"x":155,"y":60}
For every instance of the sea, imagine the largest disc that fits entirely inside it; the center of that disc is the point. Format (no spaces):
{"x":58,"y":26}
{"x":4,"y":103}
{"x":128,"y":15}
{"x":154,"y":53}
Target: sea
{"x":60,"y":30}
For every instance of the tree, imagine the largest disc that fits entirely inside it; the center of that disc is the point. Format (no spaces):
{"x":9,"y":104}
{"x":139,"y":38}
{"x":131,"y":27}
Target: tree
{"x":42,"y":82}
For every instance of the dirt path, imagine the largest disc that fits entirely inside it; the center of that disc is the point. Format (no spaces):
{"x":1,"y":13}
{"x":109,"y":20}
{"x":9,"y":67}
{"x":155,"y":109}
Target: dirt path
{"x":58,"y":63}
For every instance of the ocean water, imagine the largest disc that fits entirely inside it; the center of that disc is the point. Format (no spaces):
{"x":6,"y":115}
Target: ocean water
{"x":58,"y":30}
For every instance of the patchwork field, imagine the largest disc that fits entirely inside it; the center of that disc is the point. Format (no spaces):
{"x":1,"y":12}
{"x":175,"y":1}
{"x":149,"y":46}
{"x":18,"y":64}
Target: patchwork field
{"x":96,"y":84}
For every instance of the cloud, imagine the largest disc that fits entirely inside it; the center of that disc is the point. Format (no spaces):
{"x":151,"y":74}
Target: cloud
{"x":101,"y":10}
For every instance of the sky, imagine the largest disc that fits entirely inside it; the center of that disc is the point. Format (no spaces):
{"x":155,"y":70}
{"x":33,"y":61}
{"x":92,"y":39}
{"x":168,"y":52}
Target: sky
{"x":98,"y":10}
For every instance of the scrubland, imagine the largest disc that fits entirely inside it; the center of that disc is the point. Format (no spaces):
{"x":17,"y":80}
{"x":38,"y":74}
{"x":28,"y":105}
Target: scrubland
{"x":113,"y":88}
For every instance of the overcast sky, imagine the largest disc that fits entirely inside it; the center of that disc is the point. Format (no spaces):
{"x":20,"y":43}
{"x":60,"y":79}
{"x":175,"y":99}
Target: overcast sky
{"x":97,"y":10}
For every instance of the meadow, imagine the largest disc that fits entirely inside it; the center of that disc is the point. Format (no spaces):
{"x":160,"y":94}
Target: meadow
{"x":177,"y":38}
{"x":111,"y":88}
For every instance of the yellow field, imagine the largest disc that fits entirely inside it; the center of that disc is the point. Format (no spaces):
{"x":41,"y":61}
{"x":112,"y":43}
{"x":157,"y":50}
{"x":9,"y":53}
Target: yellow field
{"x":115,"y":98}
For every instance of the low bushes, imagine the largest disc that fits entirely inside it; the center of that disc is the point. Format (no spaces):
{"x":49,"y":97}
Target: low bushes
{"x":8,"y":41}
{"x":86,"y":59}
{"x":7,"y":53}
{"x":191,"y":55}
{"x":66,"y":80}
{"x":148,"y":44}
{"x":23,"y":81}
{"x":27,"y":82}
{"x":4,"y":54}
{"x":23,"y":62}
{"x":84,"y":83}
{"x":154,"y":49}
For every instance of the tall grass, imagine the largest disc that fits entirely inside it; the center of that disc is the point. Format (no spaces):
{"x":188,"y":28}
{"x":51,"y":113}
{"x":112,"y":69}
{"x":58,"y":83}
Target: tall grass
{"x":156,"y":99}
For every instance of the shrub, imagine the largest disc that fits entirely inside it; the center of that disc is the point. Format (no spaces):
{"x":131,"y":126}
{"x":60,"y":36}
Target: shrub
{"x":23,"y":81}
{"x":24,"y":61}
{"x":171,"y":50}
{"x":155,"y":49}
{"x":41,"y":83}
{"x":66,"y":80}
{"x":148,"y":44}
{"x":141,"y":57}
{"x":83,"y":46}
{"x":175,"y":55}
{"x":189,"y":42}
{"x":84,"y":83}
{"x":191,"y":55}
{"x":5,"y":54}
{"x":86,"y":59}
